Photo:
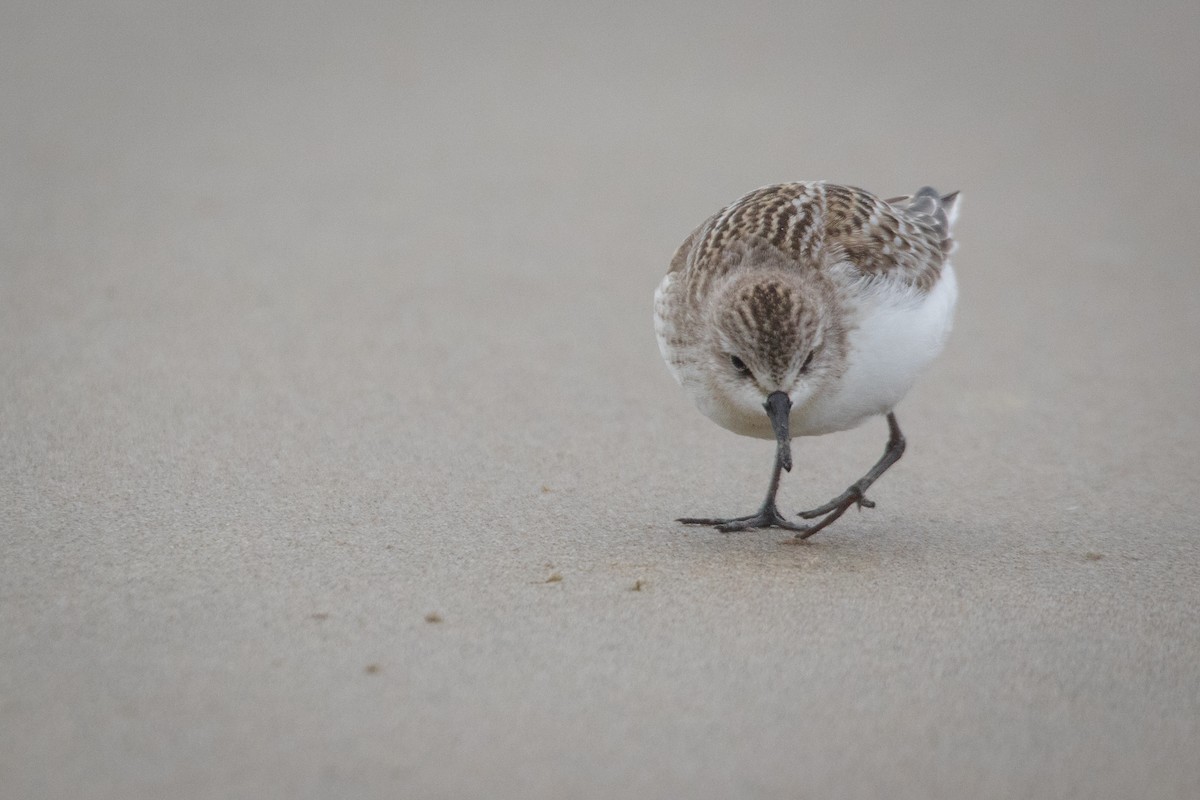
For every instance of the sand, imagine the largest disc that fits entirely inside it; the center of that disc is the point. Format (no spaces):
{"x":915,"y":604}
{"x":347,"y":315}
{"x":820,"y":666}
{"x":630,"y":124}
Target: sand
{"x":337,"y":458}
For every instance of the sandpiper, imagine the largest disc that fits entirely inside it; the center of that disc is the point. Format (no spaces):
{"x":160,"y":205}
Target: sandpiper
{"x":806,"y":308}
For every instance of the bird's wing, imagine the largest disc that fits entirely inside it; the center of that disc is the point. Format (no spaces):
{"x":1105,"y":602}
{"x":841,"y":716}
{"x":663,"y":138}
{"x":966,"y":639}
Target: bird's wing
{"x":905,"y":239}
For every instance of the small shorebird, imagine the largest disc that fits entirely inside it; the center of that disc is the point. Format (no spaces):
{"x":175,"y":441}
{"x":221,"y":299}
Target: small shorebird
{"x":803,"y":309}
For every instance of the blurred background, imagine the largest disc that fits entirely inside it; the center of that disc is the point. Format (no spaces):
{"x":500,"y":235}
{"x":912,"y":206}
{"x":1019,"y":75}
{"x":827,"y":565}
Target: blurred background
{"x":319,"y":318}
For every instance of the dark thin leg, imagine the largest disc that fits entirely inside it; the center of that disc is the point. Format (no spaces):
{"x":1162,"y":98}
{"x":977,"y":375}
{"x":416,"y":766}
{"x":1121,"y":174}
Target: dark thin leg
{"x":857,"y":494}
{"x":767,"y":517}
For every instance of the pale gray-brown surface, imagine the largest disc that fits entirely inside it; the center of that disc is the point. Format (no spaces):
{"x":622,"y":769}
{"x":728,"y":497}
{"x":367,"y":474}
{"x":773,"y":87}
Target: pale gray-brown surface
{"x":314,"y":322}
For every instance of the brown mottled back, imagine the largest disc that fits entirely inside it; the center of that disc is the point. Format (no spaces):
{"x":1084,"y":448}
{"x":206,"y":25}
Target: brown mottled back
{"x":818,"y":225}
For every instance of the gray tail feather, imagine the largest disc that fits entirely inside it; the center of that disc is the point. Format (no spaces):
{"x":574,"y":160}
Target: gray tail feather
{"x":941,"y":210}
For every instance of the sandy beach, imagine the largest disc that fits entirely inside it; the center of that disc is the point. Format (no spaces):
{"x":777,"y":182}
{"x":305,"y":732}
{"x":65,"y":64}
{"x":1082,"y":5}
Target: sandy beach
{"x":337,"y":458}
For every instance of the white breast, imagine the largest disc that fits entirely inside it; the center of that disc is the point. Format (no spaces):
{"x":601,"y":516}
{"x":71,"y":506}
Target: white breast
{"x":896,"y":336}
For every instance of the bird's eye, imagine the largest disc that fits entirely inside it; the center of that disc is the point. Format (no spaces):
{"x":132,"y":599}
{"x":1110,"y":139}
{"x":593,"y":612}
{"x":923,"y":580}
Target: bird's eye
{"x":807,"y":361}
{"x":740,"y":366}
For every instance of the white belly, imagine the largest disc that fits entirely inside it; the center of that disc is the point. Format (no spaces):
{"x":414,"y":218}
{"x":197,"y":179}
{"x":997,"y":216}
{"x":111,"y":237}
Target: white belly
{"x":894,"y":339}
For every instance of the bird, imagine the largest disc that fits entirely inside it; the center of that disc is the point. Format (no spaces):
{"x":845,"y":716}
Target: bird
{"x":807,"y":308}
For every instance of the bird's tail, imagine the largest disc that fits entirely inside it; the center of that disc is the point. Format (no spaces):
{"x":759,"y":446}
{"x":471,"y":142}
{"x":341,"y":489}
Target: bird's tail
{"x":939,"y":211}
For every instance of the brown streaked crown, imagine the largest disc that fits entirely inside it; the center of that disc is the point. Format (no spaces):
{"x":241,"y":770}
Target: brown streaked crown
{"x":768,"y":321}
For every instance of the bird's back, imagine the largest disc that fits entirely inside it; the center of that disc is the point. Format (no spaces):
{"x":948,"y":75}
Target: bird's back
{"x":823,"y":226}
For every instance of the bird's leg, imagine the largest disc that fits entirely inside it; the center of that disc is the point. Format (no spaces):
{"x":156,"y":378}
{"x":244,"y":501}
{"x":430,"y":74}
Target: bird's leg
{"x":857,"y":493}
{"x":768,"y":515}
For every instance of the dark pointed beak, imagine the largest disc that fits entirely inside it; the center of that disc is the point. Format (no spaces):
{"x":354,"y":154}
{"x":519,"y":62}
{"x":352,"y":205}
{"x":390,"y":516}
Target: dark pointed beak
{"x":778,"y":407}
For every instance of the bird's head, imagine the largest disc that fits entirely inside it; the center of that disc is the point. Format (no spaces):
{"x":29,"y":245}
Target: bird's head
{"x":770,"y":349}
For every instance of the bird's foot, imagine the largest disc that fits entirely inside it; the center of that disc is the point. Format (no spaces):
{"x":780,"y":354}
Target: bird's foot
{"x":853,"y":496}
{"x":767,"y":517}
{"x":834,"y":509}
